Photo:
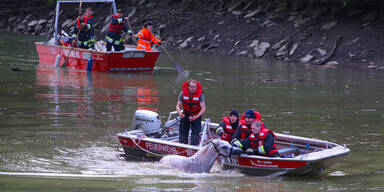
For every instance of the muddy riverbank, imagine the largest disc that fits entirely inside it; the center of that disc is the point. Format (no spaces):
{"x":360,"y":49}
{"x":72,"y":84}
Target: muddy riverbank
{"x":323,"y":32}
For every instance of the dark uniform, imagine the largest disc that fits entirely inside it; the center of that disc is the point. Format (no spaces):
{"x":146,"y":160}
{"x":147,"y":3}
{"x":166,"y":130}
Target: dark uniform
{"x":113,"y":37}
{"x":86,"y":32}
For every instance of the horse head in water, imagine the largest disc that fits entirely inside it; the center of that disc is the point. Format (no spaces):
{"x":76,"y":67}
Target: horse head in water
{"x":202,"y":161}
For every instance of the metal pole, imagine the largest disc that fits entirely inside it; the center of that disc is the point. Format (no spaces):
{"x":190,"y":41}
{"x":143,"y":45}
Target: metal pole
{"x":57,"y":19}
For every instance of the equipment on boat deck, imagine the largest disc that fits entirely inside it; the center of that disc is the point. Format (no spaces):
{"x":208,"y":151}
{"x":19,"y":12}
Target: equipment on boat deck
{"x":148,"y":121}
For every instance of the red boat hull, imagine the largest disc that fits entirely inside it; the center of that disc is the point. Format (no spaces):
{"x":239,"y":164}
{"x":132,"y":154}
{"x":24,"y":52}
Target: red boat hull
{"x":131,"y":60}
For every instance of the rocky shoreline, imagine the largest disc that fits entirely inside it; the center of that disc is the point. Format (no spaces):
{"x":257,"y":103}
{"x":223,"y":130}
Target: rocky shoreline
{"x":320,"y":32}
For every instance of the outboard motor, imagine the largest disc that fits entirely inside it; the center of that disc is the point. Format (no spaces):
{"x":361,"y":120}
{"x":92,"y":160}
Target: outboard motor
{"x":148,"y":121}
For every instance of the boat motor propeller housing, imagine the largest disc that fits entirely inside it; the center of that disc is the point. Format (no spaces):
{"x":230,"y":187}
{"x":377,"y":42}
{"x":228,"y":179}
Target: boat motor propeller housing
{"x":148,"y":121}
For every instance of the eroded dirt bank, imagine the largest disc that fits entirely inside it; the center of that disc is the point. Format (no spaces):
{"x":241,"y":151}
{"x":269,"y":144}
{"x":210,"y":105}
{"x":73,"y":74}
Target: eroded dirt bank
{"x":319,"y":32}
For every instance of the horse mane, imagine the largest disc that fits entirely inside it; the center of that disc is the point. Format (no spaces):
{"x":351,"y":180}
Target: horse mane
{"x":206,"y":142}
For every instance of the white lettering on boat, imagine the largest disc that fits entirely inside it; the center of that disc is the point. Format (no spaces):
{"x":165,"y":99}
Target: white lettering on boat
{"x":229,"y":160}
{"x":264,"y":164}
{"x":74,"y":54}
{"x":161,"y":148}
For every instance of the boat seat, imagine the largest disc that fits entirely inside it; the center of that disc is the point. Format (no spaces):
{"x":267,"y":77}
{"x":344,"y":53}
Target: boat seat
{"x":288,"y":150}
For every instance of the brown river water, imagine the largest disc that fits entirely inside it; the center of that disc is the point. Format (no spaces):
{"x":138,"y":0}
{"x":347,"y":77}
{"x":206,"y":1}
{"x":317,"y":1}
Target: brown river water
{"x":58,"y":127}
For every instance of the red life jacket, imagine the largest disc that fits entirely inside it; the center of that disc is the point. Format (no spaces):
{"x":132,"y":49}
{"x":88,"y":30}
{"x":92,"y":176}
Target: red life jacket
{"x":260,"y":139}
{"x":79,"y":22}
{"x":228,"y":130}
{"x":116,"y":28}
{"x":191,"y":104}
{"x":245,"y":131}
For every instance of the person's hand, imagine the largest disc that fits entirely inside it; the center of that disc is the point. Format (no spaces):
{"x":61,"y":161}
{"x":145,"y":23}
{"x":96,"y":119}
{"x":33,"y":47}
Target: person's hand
{"x":126,"y":18}
{"x":236,"y":151}
{"x":249,"y":150}
{"x":181,"y":115}
{"x":192,"y":118}
{"x":219,"y":131}
{"x":236,"y":143}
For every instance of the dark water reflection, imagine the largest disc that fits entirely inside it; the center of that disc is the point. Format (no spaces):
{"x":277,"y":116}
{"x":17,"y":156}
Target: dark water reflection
{"x":60,"y":125}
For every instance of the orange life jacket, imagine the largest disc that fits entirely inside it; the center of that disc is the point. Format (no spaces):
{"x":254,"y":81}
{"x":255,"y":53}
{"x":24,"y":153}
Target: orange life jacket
{"x":191,"y":104}
{"x":228,"y":130}
{"x":146,"y":39}
{"x":259,"y":140}
{"x":116,"y":28}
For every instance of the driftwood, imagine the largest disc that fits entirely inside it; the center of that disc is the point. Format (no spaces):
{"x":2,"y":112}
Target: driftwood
{"x":326,"y":58}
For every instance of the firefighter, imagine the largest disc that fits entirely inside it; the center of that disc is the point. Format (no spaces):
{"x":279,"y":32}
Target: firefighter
{"x":117,"y":25}
{"x":192,"y":100}
{"x":260,"y":142}
{"x":83,"y":31}
{"x":146,"y":38}
{"x":228,"y":126}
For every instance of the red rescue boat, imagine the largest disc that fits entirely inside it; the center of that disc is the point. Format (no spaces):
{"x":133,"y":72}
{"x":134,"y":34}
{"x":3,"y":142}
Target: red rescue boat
{"x":129,"y":60}
{"x":300,"y":155}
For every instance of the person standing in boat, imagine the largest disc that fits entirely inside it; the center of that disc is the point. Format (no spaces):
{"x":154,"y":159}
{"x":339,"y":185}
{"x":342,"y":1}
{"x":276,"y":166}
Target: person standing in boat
{"x":228,"y":126}
{"x":83,"y":31}
{"x":261,"y":141}
{"x":116,"y":27}
{"x":192,"y":100}
{"x":146,"y":38}
{"x":90,"y":20}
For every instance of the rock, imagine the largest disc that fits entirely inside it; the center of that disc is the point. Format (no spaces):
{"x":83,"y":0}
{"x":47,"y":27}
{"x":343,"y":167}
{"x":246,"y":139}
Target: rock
{"x":26,"y":19}
{"x":253,"y":13}
{"x":322,"y":52}
{"x":283,"y":51}
{"x":293,"y":49}
{"x":132,"y":12}
{"x":353,"y":41}
{"x":38,"y":28}
{"x":365,"y":25}
{"x":162,"y":26}
{"x":67,"y":23}
{"x":231,"y":51}
{"x":216,"y":37}
{"x":299,"y":22}
{"x":351,"y":55}
{"x":332,"y":63}
{"x":185,"y":43}
{"x":254,"y":43}
{"x":236,"y":43}
{"x":237,"y":13}
{"x":20,"y":28}
{"x":306,"y":59}
{"x":329,"y":25}
{"x":32,"y":23}
{"x":202,"y":38}
{"x":41,"y":22}
{"x":212,"y":46}
{"x":10,"y":20}
{"x":242,"y":53}
{"x":261,"y":48}
{"x":267,"y":23}
{"x":279,"y":44}
{"x":221,"y":22}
